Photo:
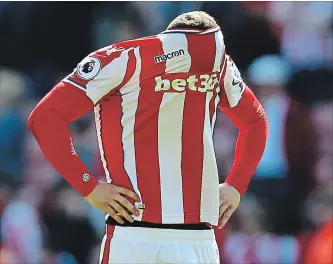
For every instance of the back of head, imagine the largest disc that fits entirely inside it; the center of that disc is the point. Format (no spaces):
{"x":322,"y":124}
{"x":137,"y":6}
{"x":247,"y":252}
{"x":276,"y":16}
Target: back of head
{"x":194,"y":20}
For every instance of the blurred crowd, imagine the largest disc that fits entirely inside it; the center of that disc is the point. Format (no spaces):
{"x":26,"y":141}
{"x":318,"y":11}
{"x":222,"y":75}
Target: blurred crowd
{"x":285,"y":53}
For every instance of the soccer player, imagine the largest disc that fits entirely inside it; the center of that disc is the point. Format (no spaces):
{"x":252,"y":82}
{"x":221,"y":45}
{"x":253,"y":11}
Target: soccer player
{"x":155,"y":101}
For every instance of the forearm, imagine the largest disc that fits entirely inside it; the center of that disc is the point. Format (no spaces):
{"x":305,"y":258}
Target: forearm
{"x":250,"y":118}
{"x":250,"y":146}
{"x":50,"y":128}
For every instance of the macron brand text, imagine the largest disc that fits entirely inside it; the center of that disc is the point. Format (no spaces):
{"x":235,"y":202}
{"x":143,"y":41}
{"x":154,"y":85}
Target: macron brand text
{"x":169,"y":56}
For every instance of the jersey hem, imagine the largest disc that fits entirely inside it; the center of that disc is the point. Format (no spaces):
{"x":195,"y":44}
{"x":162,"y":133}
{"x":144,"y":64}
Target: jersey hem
{"x":179,"y":219}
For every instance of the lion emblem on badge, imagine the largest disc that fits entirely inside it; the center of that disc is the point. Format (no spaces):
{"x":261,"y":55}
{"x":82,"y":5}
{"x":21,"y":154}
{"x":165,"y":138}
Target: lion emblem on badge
{"x":89,"y":68}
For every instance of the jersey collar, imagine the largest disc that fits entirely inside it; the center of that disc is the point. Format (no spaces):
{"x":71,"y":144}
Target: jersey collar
{"x":191,"y":31}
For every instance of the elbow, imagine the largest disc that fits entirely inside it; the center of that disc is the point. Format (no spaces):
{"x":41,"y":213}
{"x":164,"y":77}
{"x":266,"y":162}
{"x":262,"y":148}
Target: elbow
{"x":37,"y":118}
{"x":257,"y":116}
{"x":263,"y":120}
{"x":258,"y":123}
{"x":32,"y":119}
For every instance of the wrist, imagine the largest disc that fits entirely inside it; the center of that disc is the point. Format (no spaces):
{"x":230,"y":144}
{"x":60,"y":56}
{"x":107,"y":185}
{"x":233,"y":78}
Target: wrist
{"x":240,"y":188}
{"x":86,"y":184}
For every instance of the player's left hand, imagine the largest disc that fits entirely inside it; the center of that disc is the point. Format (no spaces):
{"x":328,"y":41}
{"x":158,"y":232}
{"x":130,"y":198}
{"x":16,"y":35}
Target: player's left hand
{"x":229,"y":201}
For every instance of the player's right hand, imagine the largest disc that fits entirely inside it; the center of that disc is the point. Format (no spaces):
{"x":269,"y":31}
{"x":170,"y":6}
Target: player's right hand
{"x":112,"y":199}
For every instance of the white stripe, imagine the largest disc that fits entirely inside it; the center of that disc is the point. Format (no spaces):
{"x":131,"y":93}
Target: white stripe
{"x":109,"y":77}
{"x":233,"y":92}
{"x":210,"y":31}
{"x":219,"y":51}
{"x":66,"y":80}
{"x":129,"y":106}
{"x":175,"y":42}
{"x":218,"y":89}
{"x":217,"y":100}
{"x":132,"y":84}
{"x":169,"y":151}
{"x":101,"y":253}
{"x":214,"y":29}
{"x":209,"y":96}
{"x":210,"y":182}
{"x":169,"y":137}
{"x":100,"y":143}
{"x":180,"y":31}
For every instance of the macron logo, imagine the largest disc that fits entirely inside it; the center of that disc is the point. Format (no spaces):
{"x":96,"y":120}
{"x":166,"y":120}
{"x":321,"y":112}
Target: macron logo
{"x":169,"y":56}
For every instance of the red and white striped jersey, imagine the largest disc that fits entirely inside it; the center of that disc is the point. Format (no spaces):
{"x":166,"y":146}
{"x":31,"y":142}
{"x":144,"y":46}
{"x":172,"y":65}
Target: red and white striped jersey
{"x":155,"y":106}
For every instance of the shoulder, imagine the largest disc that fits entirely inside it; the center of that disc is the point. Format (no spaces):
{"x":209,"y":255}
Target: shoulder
{"x":108,"y":53}
{"x":92,"y":65}
{"x":115,"y":57}
{"x":125,"y":45}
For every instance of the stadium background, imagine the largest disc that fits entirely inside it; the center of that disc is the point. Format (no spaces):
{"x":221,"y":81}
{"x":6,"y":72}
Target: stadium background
{"x":284,"y":51}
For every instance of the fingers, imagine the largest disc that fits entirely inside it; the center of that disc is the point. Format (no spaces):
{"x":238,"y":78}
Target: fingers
{"x":125,"y":203}
{"x":225,"y":217}
{"x":128,"y":193}
{"x":121,"y":210}
{"x":223,"y":208}
{"x":113,"y":214}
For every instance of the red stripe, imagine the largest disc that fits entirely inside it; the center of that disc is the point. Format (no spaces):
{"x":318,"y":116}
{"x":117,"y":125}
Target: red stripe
{"x":106,"y":251}
{"x":212,"y":108}
{"x":110,"y":115}
{"x":225,"y":65}
{"x":111,"y":134}
{"x":130,"y":69}
{"x":146,"y":132}
{"x":193,"y":126}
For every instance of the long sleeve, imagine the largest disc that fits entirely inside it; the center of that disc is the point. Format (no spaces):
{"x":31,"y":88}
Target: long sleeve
{"x":250,"y":118}
{"x":48,"y":123}
{"x":99,"y":75}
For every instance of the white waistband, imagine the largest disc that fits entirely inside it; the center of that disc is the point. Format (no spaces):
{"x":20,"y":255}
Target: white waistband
{"x":140,"y":233}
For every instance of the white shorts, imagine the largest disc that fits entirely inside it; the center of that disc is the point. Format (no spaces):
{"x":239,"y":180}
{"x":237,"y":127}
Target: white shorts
{"x":151,"y":245}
